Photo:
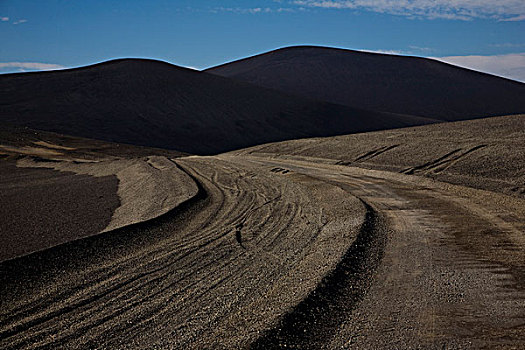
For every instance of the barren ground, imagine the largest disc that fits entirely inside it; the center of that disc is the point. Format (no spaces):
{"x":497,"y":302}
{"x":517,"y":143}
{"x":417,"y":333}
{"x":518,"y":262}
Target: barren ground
{"x":294,"y":250}
{"x":485,"y":154}
{"x":263,"y":257}
{"x":56,"y":188}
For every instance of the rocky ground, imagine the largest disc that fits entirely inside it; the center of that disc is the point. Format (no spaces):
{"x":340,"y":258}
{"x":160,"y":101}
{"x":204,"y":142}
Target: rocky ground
{"x":288,"y":246}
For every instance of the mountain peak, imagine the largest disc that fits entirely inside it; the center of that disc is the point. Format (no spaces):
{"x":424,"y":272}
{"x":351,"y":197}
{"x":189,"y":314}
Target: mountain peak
{"x":382,"y":82}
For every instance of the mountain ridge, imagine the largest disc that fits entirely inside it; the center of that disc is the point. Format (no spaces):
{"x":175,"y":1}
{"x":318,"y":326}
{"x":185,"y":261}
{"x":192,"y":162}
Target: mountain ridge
{"x":382,"y":82}
{"x":153,"y":103}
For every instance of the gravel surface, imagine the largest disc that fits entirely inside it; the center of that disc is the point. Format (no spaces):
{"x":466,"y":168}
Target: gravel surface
{"x":42,"y":207}
{"x":276,"y":253}
{"x":486,"y":154}
{"x":57,"y":188}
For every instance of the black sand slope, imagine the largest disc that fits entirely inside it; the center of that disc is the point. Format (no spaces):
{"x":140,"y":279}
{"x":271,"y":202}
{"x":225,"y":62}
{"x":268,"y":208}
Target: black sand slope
{"x":44,"y":207}
{"x":19,"y":137}
{"x":57,"y":188}
{"x":152,"y":103}
{"x":397,"y":84}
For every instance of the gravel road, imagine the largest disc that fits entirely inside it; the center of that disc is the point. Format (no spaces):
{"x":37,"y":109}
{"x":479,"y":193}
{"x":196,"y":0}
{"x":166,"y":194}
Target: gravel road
{"x":274,"y":253}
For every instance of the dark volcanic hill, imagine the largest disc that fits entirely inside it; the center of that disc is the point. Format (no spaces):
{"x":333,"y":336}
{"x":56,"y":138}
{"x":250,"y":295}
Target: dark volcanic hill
{"x":152,"y":103}
{"x":397,"y":84}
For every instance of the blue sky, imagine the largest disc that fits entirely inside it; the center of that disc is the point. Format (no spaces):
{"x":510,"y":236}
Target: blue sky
{"x":483,"y":34}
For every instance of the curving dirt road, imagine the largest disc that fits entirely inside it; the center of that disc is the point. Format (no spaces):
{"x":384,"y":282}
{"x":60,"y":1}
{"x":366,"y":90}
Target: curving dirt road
{"x":284,"y":253}
{"x":452,"y":273}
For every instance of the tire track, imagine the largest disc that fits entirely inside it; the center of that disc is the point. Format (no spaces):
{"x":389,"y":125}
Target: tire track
{"x":170,"y":273}
{"x":442,"y":163}
{"x":368,"y":155}
{"x":451,"y":274}
{"x":316,"y":319}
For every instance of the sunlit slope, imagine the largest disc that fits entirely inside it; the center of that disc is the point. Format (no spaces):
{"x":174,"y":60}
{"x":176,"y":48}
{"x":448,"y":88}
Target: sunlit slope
{"x":485,"y":153}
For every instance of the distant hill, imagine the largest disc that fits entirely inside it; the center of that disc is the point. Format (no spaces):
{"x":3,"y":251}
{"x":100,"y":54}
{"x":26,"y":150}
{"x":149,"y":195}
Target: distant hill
{"x":156,"y":104}
{"x":390,"y":83}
